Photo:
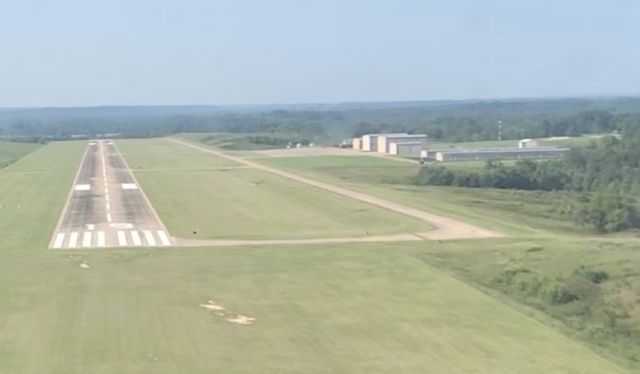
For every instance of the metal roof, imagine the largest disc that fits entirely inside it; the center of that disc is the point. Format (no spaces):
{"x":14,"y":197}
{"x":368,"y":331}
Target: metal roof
{"x":503,"y":150}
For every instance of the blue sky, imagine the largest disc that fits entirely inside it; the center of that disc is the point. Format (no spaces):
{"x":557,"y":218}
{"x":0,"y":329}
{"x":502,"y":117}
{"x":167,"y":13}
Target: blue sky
{"x":119,"y":52}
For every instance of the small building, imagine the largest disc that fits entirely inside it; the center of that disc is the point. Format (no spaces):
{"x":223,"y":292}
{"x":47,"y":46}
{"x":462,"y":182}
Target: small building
{"x":357,"y":144}
{"x":406,"y":149}
{"x":385,"y":140}
{"x":370,"y":142}
{"x":499,"y":154}
{"x":527,"y":143}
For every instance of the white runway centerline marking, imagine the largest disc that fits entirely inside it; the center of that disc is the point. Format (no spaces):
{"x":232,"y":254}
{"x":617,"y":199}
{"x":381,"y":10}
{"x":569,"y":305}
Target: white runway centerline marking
{"x":163,"y":238}
{"x":59,"y":240}
{"x":150,"y":239}
{"x":109,"y":217}
{"x":108,"y":206}
{"x":101,"y":239}
{"x":82,"y":187}
{"x":86,"y":239}
{"x":73,"y":240}
{"x":122,"y":239}
{"x":135,"y":236}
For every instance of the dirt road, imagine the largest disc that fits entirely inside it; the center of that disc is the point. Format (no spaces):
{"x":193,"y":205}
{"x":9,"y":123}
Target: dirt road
{"x":445,"y":228}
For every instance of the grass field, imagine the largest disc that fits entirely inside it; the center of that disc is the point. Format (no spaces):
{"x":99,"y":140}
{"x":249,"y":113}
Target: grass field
{"x":547,"y":251}
{"x":154,"y":154}
{"x":12,"y":152}
{"x":515,"y":212}
{"x":365,"y":308}
{"x":249,"y":204}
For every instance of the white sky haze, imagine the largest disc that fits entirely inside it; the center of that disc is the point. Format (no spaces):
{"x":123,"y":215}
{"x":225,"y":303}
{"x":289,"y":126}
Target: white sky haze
{"x":120,"y":52}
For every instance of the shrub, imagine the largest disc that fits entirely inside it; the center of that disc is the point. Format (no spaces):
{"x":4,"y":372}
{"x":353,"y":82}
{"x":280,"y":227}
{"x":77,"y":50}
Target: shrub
{"x":558,"y":294}
{"x":596,"y":276}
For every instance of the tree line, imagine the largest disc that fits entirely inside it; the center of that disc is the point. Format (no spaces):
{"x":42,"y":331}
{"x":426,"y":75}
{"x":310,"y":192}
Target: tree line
{"x":604,"y":179}
{"x":447,"y":121}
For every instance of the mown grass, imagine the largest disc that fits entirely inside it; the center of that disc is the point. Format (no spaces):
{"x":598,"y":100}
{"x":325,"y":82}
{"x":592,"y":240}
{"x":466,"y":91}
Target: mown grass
{"x":329,"y":309}
{"x":546,"y":265}
{"x":374,"y":308}
{"x":514,"y":212}
{"x":11,"y":152}
{"x":32,"y":194}
{"x":249,"y":204}
{"x":154,"y":154}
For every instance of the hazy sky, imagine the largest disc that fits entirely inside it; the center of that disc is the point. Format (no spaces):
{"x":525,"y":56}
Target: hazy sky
{"x":89,"y":52}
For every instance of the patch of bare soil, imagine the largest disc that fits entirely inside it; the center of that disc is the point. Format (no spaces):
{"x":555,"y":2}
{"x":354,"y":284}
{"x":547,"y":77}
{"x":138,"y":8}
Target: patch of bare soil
{"x":241,"y":320}
{"x":211,"y":305}
{"x":220,"y":311}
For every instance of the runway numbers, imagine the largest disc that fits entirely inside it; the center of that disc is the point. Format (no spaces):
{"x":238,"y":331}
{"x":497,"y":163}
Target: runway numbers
{"x":163,"y":238}
{"x":135,"y":236}
{"x":122,"y":239}
{"x":149,"y":237}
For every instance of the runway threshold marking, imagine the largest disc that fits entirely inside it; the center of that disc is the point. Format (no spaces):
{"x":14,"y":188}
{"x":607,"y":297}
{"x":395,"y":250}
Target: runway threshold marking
{"x":163,"y":238}
{"x":59,"y":240}
{"x":149,"y":237}
{"x":73,"y":240}
{"x":135,"y":237}
{"x":101,"y":239}
{"x":86,"y":239}
{"x":122,"y":239}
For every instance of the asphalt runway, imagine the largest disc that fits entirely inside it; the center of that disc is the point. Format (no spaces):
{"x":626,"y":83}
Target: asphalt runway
{"x":106,"y":206}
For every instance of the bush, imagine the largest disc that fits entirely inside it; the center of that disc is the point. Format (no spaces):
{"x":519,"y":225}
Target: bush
{"x":606,"y":213}
{"x":558,"y":294}
{"x":596,"y":276}
{"x":435,"y":176}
